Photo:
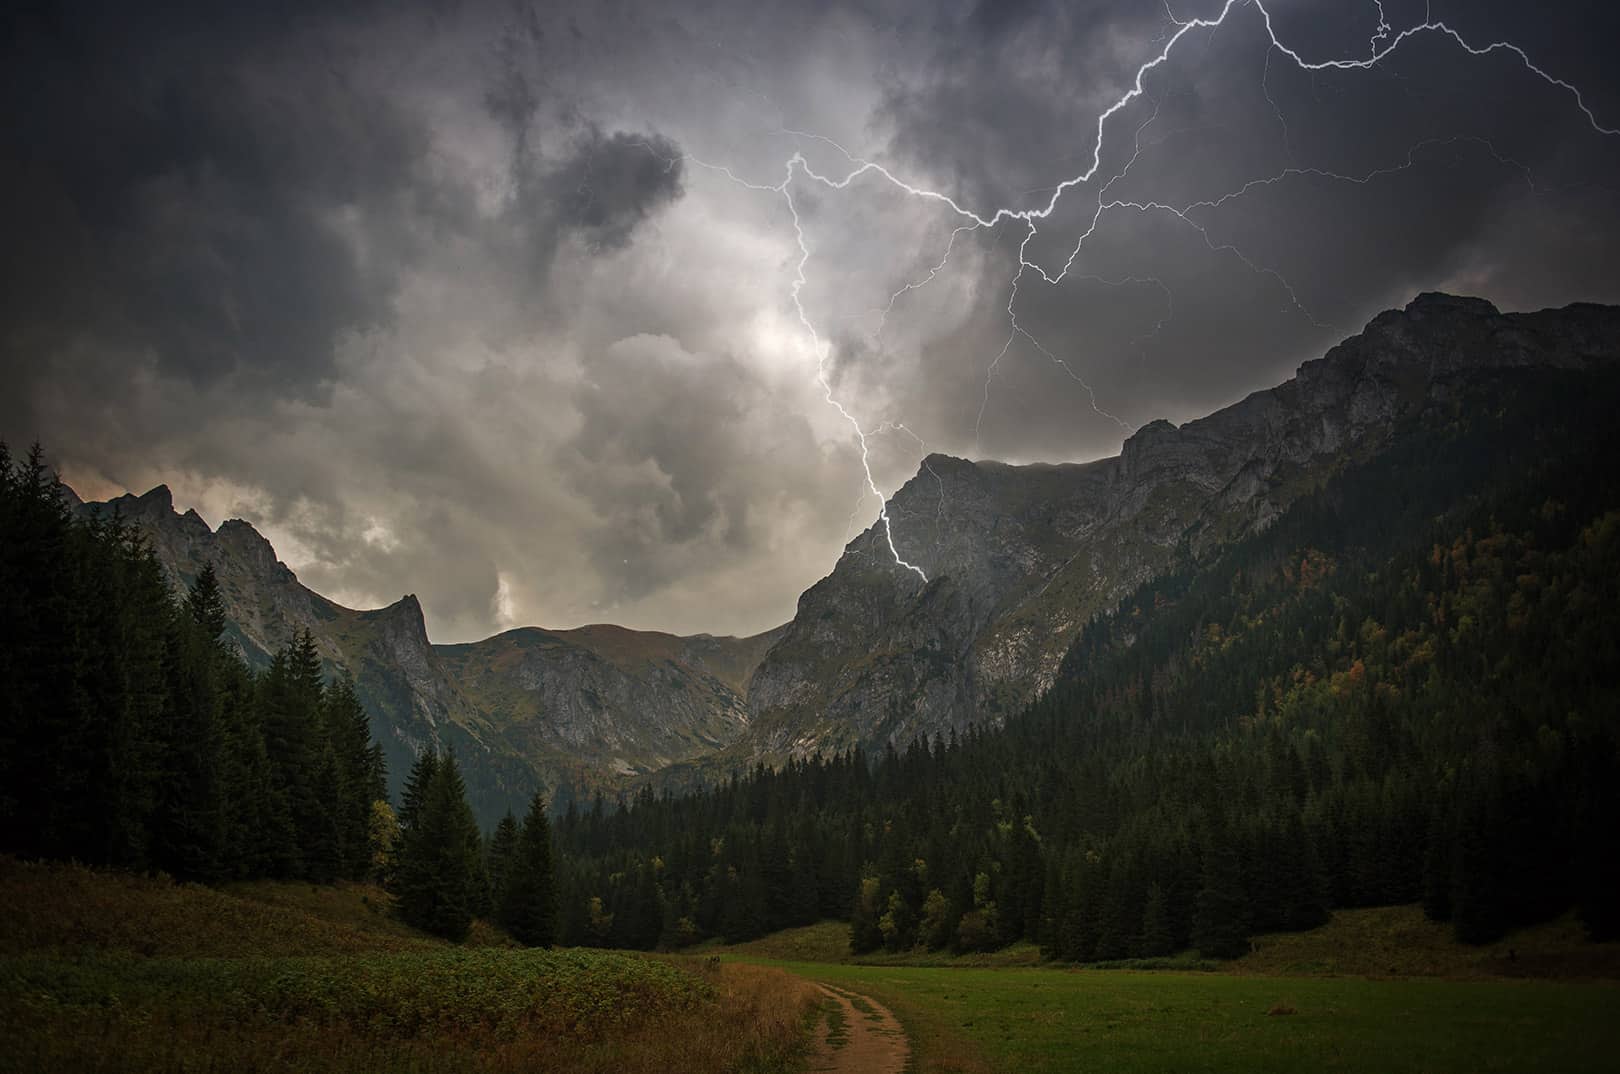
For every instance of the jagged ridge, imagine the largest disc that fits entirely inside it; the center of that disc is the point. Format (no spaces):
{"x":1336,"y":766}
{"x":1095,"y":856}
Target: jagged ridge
{"x":1019,"y":558}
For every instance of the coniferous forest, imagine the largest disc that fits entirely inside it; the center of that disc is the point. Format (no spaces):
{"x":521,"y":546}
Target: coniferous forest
{"x":1404,"y":690}
{"x":132,"y":736}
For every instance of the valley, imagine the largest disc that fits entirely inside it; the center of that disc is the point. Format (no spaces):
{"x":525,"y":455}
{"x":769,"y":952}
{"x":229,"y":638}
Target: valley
{"x":1019,"y":559}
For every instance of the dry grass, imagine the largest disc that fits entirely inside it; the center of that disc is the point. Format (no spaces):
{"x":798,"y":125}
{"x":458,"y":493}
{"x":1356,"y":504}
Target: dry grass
{"x":828,"y":941}
{"x":751,"y":1020}
{"x":52,"y":907}
{"x":1398,"y":941}
{"x":104,"y":971}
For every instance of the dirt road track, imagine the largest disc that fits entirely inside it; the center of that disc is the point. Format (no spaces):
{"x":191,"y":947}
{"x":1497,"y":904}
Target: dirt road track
{"x":872,"y":1041}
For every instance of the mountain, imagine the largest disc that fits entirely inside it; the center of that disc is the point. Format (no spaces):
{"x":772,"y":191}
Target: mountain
{"x":607,"y":699}
{"x":1019,"y":558}
{"x":566,"y":712}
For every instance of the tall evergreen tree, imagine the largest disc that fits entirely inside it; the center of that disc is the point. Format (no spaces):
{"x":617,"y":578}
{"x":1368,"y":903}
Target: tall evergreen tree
{"x":499,"y":860}
{"x":438,"y":858}
{"x":1221,"y":923}
{"x":528,"y":908}
{"x":361,"y":776}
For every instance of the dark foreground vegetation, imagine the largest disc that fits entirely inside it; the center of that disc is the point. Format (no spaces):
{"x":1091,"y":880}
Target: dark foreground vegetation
{"x":105,"y":971}
{"x":1404,"y":690}
{"x":133,"y":735}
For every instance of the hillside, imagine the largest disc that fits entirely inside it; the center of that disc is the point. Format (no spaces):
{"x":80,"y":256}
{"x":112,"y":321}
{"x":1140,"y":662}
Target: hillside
{"x":1401,"y":689}
{"x":604,"y":699}
{"x":1020,"y":558}
{"x":102,"y":970}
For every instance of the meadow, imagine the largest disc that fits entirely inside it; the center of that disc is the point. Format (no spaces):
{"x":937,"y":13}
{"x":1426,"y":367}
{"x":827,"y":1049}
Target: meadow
{"x":105,"y":971}
{"x":1378,"y":990}
{"x":1046,"y":1020}
{"x":101,"y":971}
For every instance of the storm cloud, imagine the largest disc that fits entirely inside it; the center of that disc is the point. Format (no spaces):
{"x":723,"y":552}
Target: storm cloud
{"x":496,"y":303}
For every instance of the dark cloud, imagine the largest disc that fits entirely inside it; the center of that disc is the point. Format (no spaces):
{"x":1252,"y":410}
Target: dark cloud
{"x":178,"y":190}
{"x":612,"y":183}
{"x":453,"y":299}
{"x":235,"y":193}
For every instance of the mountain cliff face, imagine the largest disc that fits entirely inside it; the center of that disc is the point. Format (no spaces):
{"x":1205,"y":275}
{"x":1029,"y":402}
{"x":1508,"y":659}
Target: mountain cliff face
{"x":609,"y":699}
{"x":1019,"y":558}
{"x":561,"y":711}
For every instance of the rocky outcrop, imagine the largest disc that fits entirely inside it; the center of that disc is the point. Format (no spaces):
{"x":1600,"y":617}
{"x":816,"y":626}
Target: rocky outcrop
{"x":1019,"y":558}
{"x":629,"y":702}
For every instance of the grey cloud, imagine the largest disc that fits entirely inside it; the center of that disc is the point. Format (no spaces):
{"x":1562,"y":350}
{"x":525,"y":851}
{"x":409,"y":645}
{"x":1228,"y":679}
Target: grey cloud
{"x":612,"y":183}
{"x":432,"y":293}
{"x":236,"y":195}
{"x":176,"y":192}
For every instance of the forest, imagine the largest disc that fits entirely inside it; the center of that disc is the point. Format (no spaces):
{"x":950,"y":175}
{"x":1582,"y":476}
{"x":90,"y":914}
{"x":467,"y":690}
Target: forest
{"x":1401,"y":691}
{"x":133,"y":736}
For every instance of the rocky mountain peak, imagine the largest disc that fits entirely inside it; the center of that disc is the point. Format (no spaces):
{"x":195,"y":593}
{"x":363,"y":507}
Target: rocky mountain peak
{"x":1438,"y":303}
{"x":404,"y":620}
{"x":237,"y":537}
{"x":157,"y":498}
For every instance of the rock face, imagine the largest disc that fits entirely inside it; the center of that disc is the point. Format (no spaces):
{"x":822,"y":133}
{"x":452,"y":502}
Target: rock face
{"x":1019,"y":558}
{"x":525,"y":710}
{"x":623,"y":701}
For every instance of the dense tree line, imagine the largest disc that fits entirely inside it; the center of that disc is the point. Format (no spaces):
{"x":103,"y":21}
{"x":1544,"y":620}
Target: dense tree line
{"x":131,"y":735}
{"x":1403,"y":690}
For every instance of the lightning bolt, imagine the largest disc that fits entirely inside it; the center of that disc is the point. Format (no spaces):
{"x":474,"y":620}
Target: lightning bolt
{"x":1384,"y":41}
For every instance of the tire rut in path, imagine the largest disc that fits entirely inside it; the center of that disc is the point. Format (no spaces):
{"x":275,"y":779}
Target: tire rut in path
{"x":873,"y":1041}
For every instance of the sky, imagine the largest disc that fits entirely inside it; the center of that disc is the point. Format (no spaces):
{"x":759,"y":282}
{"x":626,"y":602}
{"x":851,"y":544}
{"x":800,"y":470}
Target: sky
{"x":560,"y":313}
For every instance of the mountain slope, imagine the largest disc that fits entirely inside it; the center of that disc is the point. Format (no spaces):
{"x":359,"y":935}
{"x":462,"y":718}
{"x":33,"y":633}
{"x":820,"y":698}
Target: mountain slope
{"x":564,"y":712}
{"x":1020,"y":558}
{"x":609,"y":699}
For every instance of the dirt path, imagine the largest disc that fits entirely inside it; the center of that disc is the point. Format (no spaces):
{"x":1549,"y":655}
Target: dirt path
{"x":870,"y":1040}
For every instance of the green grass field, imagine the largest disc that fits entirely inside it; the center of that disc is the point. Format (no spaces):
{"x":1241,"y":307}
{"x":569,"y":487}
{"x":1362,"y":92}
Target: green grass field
{"x":103,"y":971}
{"x":1374,"y":990}
{"x":1034,"y":1020}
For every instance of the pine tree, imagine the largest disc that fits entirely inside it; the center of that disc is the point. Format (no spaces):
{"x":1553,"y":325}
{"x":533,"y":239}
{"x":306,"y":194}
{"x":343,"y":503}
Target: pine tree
{"x":361,"y":775}
{"x":1221,"y":922}
{"x":528,"y":909}
{"x":500,"y":858}
{"x":438,"y":857}
{"x":1157,"y":940}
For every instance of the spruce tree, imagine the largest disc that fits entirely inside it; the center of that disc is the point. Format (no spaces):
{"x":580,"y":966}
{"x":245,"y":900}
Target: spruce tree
{"x":499,"y":859}
{"x":437,"y":857}
{"x":528,"y":908}
{"x":189,"y":837}
{"x":1157,"y":940}
{"x":1221,"y":921}
{"x":205,"y":606}
{"x":361,"y":775}
{"x":415,"y":792}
